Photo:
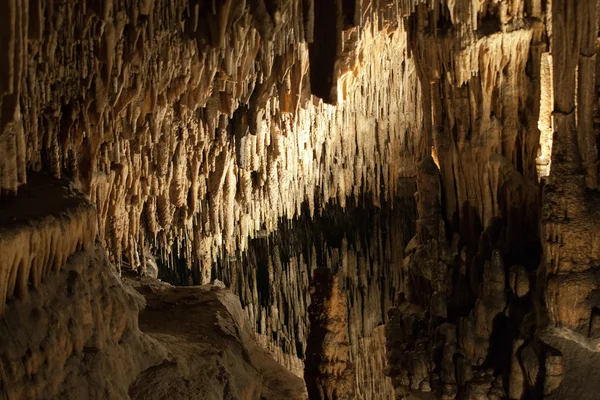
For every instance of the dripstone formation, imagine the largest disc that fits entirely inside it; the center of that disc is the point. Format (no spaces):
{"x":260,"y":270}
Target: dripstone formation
{"x":192,"y":123}
{"x":400,"y":197}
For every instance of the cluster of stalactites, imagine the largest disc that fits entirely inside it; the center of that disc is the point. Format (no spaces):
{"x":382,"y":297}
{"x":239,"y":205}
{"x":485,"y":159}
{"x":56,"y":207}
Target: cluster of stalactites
{"x":192,"y":124}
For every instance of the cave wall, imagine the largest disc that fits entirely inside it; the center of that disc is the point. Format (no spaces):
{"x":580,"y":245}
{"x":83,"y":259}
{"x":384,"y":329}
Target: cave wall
{"x":192,"y":123}
{"x":76,"y":336}
{"x":483,"y":69}
{"x":504,"y":280}
{"x":193,"y":126}
{"x":87,"y":333}
{"x":319,"y":289}
{"x":570,"y":207}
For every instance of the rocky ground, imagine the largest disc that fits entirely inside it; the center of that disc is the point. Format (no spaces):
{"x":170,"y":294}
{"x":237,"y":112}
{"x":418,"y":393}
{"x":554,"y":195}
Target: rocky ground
{"x":78,"y":337}
{"x":212,"y":353}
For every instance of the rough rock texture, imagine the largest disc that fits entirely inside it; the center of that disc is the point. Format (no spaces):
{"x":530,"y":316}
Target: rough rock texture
{"x":90,"y":346}
{"x":489,"y":309}
{"x":281,"y":275}
{"x":191,"y":123}
{"x":36,"y":237}
{"x":76,"y":336}
{"x":571,"y":208}
{"x":212,"y":350}
{"x":483,"y":70}
{"x":194,"y":125}
{"x":328,"y":372}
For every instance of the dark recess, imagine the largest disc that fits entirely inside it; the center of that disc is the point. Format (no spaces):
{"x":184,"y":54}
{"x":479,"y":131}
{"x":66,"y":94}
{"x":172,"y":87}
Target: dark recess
{"x":323,"y":50}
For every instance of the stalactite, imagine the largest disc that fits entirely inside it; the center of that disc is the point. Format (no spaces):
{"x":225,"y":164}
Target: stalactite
{"x":360,"y":246}
{"x":166,"y":91}
{"x":36,"y":240}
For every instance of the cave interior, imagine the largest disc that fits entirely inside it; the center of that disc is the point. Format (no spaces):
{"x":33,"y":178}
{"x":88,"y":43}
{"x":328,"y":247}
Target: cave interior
{"x":300,"y":199}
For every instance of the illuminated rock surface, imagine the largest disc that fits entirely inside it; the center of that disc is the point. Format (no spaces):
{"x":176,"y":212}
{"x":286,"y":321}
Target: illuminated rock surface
{"x":77,"y":337}
{"x":274,"y":145}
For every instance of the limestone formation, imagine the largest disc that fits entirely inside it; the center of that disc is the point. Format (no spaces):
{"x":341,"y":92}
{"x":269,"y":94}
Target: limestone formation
{"x":37,"y":239}
{"x":278,"y":282}
{"x":403,"y":195}
{"x":190,"y":126}
{"x":76,"y":336}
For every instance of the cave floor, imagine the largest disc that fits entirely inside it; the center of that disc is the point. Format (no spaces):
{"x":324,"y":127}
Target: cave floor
{"x":211,"y":352}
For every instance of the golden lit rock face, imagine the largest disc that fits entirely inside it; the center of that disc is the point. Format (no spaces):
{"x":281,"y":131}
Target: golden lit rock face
{"x":512,"y":100}
{"x":41,"y":228}
{"x":191,"y":123}
{"x":76,"y":336}
{"x":82,"y":334}
{"x":484,"y":105}
{"x":570,"y":200}
{"x":500,"y":120}
{"x":328,"y":371}
{"x":192,"y":126}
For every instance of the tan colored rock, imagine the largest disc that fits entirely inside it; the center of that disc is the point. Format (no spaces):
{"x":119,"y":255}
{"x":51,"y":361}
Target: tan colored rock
{"x":448,"y":368}
{"x":191,"y":127}
{"x":516,"y":380}
{"x":464,"y":371}
{"x":554,"y":370}
{"x":37,"y":239}
{"x":519,"y":280}
{"x":478,"y":388}
{"x":167,"y":96}
{"x":531,"y":364}
{"x":328,"y":371}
